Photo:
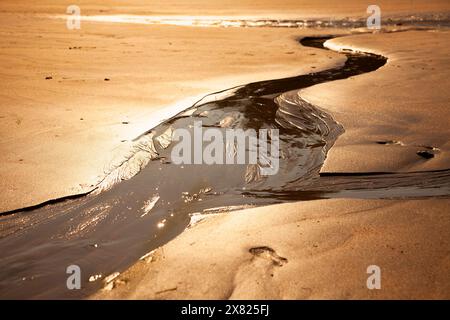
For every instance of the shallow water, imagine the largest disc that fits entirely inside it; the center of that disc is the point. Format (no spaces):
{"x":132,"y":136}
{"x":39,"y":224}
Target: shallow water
{"x":420,"y":20}
{"x":146,"y":200}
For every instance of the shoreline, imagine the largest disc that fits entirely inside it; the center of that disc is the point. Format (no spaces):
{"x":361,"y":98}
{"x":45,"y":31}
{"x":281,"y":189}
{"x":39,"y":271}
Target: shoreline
{"x":423,"y":20}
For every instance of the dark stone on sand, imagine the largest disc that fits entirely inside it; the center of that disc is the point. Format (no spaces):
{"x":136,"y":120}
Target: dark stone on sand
{"x":425,"y":154}
{"x":107,"y":79}
{"x":48,"y":78}
{"x":387,"y":142}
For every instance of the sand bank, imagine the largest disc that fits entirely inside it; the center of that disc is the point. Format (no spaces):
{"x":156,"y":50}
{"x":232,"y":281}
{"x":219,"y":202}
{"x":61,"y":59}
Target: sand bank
{"x":395,"y":112}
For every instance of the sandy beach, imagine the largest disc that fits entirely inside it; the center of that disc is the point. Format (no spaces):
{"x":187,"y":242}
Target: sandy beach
{"x":78,"y":120}
{"x":73,"y":103}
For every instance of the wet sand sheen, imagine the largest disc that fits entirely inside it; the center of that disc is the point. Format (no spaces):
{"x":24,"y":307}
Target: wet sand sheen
{"x":114,"y":221}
